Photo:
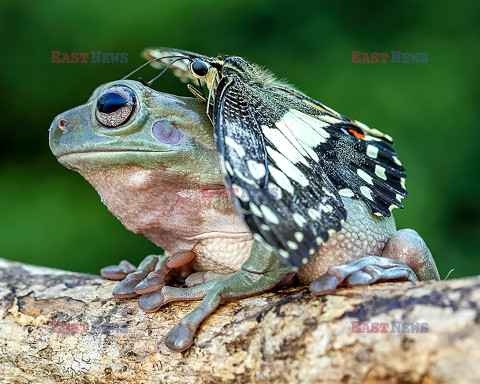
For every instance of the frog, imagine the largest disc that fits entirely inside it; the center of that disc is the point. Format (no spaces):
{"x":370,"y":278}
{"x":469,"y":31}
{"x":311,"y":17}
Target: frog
{"x":158,"y":173}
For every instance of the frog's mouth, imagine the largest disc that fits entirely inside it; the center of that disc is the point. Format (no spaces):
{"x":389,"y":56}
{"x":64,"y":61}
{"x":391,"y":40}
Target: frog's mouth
{"x":98,"y":158}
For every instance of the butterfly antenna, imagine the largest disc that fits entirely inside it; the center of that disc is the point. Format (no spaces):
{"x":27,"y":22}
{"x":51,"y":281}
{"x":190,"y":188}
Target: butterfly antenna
{"x":150,"y":61}
{"x":164,"y":69}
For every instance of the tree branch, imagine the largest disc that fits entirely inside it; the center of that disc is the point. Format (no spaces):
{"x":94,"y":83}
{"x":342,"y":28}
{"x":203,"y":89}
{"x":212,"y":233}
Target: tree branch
{"x":63,"y":327}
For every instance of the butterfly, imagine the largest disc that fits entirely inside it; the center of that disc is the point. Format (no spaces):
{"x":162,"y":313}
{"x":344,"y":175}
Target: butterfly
{"x":289,"y":158}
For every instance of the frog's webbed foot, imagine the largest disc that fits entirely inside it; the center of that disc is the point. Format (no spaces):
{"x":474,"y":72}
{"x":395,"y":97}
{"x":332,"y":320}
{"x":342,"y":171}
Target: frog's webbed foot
{"x":260,"y":272}
{"x":151,"y":275}
{"x":405,"y":257}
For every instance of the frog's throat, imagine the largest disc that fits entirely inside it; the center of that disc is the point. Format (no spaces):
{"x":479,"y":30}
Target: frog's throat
{"x":171,"y":211}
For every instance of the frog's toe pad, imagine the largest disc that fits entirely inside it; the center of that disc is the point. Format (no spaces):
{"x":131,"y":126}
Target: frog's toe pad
{"x":117,"y":272}
{"x":365,"y":271}
{"x":151,"y":302}
{"x":126,"y":288}
{"x":153,"y":282}
{"x":179,"y":338}
{"x":324,"y":284}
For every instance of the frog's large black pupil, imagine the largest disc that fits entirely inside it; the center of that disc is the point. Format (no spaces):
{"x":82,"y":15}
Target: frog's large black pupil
{"x":199,"y":68}
{"x":110,"y":102}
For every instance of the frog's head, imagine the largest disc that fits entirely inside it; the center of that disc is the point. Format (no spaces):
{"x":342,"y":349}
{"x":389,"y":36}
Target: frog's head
{"x":125,"y":122}
{"x":150,"y":155}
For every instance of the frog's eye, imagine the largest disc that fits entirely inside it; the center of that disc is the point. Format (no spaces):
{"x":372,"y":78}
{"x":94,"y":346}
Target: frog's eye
{"x":199,"y":68}
{"x":116,"y":106}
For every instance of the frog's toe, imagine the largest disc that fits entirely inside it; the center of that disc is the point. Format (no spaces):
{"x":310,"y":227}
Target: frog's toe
{"x":118,"y":272}
{"x":364,"y":271}
{"x":126,"y":288}
{"x":153,"y":282}
{"x":372,"y":274}
{"x":201,"y":277}
{"x":180,"y":338}
{"x":324,"y":284}
{"x":157,"y":278}
{"x":151,"y":302}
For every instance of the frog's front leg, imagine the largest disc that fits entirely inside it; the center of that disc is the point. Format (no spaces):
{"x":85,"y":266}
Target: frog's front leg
{"x":260,"y":272}
{"x":151,"y":275}
{"x":405,"y":257}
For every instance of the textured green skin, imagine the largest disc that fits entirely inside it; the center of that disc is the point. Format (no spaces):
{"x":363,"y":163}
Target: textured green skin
{"x":98,"y":153}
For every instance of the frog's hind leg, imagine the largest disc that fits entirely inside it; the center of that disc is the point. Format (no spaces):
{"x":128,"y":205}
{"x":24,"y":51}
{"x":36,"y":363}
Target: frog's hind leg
{"x":259,"y":273}
{"x":405,"y":257}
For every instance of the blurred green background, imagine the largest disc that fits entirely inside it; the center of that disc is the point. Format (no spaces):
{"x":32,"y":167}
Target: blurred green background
{"x":50,"y":216}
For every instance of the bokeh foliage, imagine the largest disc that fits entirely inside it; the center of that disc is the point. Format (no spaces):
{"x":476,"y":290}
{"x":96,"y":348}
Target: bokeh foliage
{"x":50,"y":216}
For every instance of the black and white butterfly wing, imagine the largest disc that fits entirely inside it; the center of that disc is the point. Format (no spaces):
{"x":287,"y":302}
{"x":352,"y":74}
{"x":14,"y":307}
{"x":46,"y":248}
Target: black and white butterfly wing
{"x":358,"y":160}
{"x":284,"y":195}
{"x":290,"y":161}
{"x":180,"y":68}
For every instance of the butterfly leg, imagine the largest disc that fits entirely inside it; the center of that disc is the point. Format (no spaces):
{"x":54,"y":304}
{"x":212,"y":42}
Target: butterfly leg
{"x":259,"y":273}
{"x":405,"y":257}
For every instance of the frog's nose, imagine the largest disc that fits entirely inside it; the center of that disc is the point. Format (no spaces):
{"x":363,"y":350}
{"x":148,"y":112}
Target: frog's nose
{"x":62,"y":124}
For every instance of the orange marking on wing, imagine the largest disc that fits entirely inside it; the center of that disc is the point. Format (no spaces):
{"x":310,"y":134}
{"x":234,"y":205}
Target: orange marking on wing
{"x":356,"y":134}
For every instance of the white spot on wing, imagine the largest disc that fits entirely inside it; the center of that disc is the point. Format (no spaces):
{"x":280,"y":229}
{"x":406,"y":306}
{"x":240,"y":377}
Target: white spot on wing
{"x":287,"y":167}
{"x":327,"y":208}
{"x":256,"y":169}
{"x":269,"y":214}
{"x":275,"y":191}
{"x":239,"y":192}
{"x":265,"y":227}
{"x":365,"y":176}
{"x":237,"y":147}
{"x":299,"y":236}
{"x":299,"y":219}
{"x":281,"y":179}
{"x":367,"y":192}
{"x":372,"y":151}
{"x":346,"y":192}
{"x":314,"y":215}
{"x":380,"y":172}
{"x":245,"y":179}
{"x":305,"y":128}
{"x":255,"y":210}
{"x":292,"y":245}
{"x":228,"y":167}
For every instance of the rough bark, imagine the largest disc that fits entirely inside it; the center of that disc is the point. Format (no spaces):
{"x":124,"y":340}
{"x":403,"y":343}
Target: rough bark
{"x":63,"y":327}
